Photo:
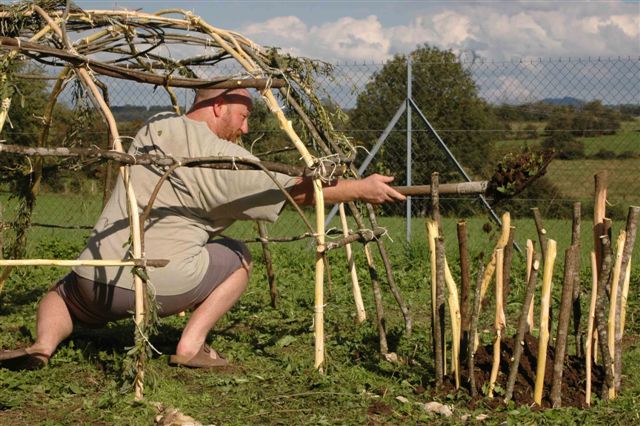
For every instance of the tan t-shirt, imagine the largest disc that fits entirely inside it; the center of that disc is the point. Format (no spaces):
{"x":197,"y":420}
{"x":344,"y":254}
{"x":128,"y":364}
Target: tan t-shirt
{"x":193,"y":205}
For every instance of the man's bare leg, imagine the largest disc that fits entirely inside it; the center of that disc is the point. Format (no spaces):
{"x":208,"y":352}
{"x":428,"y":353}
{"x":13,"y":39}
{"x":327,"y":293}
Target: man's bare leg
{"x":53,"y":324}
{"x":205,"y":316}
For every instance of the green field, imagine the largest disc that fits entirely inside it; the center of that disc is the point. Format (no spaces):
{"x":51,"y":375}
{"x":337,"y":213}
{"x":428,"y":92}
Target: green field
{"x":273,"y":380}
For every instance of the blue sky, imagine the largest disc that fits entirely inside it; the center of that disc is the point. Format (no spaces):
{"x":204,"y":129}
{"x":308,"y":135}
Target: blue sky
{"x":375,"y":30}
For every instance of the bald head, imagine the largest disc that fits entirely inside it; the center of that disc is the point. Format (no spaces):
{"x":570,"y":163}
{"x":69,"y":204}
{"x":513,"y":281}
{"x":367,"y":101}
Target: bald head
{"x":226,"y":112}
{"x":206,"y":97}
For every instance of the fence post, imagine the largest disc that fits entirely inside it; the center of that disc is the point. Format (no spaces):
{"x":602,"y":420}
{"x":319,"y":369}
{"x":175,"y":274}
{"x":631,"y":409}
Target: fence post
{"x":409,"y":153}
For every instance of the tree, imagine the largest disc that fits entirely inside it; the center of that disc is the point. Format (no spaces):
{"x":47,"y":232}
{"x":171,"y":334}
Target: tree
{"x":448,"y":97}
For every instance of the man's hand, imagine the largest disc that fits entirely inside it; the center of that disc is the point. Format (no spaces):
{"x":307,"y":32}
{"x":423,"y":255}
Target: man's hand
{"x":375,"y":189}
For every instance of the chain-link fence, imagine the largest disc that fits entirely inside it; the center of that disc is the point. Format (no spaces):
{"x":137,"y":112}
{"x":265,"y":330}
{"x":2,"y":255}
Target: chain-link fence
{"x":586,"y":109}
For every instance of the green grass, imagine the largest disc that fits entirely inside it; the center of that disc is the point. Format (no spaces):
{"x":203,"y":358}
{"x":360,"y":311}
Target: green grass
{"x":273,"y":381}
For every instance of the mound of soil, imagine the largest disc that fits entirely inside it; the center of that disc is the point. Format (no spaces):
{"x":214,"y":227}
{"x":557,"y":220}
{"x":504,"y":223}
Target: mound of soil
{"x":573,"y":377}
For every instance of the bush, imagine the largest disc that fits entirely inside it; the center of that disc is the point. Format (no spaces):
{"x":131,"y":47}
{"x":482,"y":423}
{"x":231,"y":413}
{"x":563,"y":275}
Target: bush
{"x":604,"y":154}
{"x":564,"y":145}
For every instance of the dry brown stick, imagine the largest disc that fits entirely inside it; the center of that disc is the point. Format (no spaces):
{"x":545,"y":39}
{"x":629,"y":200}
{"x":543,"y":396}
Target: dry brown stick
{"x":266,"y":251}
{"x":499,"y":321}
{"x":522,"y":327}
{"x":590,"y":335}
{"x":508,"y":258}
{"x":8,"y":43}
{"x":625,"y":262}
{"x":545,"y":304}
{"x":564,"y":317}
{"x":408,"y":322}
{"x":377,"y":298}
{"x":360,"y":235}
{"x":435,"y":217}
{"x":575,"y":300}
{"x":601,"y":318}
{"x":542,"y":232}
{"x":465,"y":287}
{"x":473,"y":330}
{"x":440,"y":314}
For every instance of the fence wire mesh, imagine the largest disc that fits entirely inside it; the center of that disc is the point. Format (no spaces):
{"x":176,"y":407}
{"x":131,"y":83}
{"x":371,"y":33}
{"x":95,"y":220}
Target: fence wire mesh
{"x":587,"y":109}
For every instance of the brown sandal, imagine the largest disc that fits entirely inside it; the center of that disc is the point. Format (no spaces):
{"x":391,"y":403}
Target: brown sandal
{"x":200,"y":360}
{"x":23,"y":359}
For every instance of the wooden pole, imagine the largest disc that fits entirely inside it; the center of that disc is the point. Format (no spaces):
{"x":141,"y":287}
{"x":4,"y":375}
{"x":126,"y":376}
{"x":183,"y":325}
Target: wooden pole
{"x":377,"y":298}
{"x":530,"y":255}
{"x":439,"y":322}
{"x":599,"y":211}
{"x":268,"y":262}
{"x":615,"y":296}
{"x":590,"y":332}
{"x":564,"y":317}
{"x":465,"y":286}
{"x":508,"y":259}
{"x":545,"y":302}
{"x":500,"y":321}
{"x":623,"y":289}
{"x":361,"y":314}
{"x":518,"y":345}
{"x":475,"y":314}
{"x":502,"y":242}
{"x":542,"y":232}
{"x":601,"y":318}
{"x":577,"y":310}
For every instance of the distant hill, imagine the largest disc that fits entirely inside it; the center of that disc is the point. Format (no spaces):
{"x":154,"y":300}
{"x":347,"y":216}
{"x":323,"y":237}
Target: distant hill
{"x":137,"y":112}
{"x":567,"y":100}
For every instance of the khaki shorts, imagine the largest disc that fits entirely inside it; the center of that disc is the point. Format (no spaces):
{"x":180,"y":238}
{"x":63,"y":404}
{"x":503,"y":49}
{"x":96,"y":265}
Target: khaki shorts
{"x":95,"y":304}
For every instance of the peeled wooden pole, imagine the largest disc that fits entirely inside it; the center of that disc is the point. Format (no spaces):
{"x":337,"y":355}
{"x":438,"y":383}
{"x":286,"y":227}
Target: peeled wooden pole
{"x":473,"y":331}
{"x":564,"y":317}
{"x":361,"y":314}
{"x":599,"y":212}
{"x":500,"y":321}
{"x":502,"y":242}
{"x":508,"y":260}
{"x":530,"y":254}
{"x":615,"y":296}
{"x":590,"y":333}
{"x":623,"y":289}
{"x":518,"y":344}
{"x":601,"y":316}
{"x":545,"y":303}
{"x":454,"y":313}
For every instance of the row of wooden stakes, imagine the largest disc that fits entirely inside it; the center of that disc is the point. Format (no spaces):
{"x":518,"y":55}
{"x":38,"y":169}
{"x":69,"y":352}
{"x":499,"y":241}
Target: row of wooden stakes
{"x":611,"y":269}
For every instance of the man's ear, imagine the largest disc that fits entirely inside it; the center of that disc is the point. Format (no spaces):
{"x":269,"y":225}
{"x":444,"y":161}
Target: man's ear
{"x":218,"y":106}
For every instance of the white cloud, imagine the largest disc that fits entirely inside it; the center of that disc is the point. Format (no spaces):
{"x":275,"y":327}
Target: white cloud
{"x":495,"y":30}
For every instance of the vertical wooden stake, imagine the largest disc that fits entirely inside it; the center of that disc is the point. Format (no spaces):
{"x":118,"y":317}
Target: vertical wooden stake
{"x":465,"y":286}
{"x":439,"y":323}
{"x":268,"y":263}
{"x":563,"y":324}
{"x":473,"y":331}
{"x":361,"y":314}
{"x":530,"y":317}
{"x":518,"y":344}
{"x":377,"y":298}
{"x":614,"y":307}
{"x":590,"y":333}
{"x":508,"y":260}
{"x":545,"y":303}
{"x":577,"y":310}
{"x":599,"y":212}
{"x":542,"y":232}
{"x":601,"y":314}
{"x":499,"y":320}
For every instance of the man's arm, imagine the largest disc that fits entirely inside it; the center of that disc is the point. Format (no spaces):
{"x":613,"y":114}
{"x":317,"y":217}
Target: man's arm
{"x":373,"y":189}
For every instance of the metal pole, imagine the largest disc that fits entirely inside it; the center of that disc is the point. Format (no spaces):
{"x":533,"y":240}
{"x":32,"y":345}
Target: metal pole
{"x":383,"y":137}
{"x":409,"y":153}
